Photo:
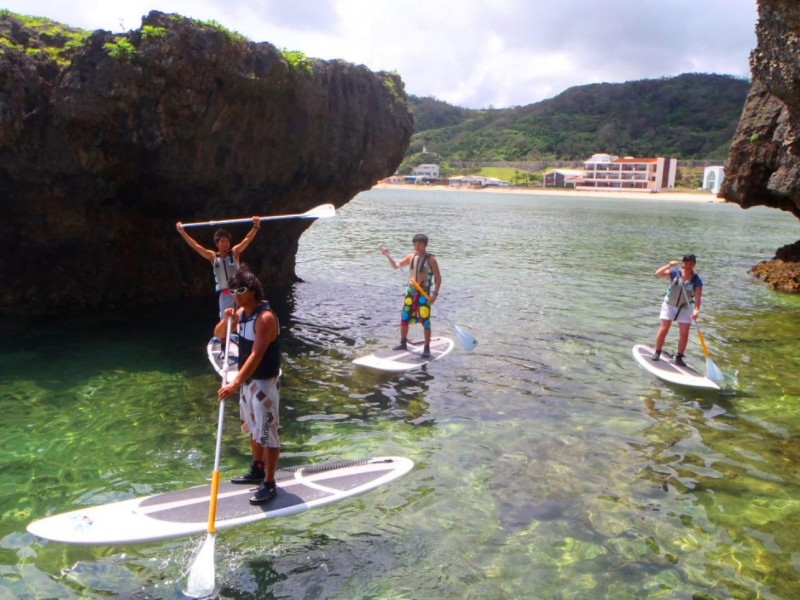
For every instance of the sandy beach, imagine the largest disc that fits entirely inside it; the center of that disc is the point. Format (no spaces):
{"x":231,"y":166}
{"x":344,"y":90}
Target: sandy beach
{"x":671,"y":195}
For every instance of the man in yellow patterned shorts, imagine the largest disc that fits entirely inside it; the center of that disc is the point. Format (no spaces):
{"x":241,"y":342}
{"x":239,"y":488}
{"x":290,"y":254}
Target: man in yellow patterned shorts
{"x":424,"y":270}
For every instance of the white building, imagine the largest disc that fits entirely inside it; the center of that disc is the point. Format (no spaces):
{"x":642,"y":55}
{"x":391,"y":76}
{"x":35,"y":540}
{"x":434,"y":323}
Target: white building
{"x":606,"y":171}
{"x":712,"y":178}
{"x":431,"y":171}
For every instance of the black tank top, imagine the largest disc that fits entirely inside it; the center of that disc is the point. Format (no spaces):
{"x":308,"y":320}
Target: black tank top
{"x":270,"y":365}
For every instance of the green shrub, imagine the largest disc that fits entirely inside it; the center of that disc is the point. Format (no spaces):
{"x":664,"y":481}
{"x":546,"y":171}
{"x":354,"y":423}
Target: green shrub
{"x":297,"y":59}
{"x":151,"y":33}
{"x":121,"y":49}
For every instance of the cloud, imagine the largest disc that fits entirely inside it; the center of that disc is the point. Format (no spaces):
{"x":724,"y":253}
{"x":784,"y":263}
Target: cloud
{"x":469,"y":53}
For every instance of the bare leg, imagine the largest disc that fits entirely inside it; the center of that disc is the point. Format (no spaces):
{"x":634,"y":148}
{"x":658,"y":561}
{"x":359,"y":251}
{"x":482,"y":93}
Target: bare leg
{"x":683,"y":340}
{"x":271,"y":456}
{"x":662,"y":334}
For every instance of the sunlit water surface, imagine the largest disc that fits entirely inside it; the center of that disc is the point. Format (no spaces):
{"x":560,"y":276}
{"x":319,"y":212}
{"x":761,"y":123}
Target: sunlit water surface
{"x":548,"y":465}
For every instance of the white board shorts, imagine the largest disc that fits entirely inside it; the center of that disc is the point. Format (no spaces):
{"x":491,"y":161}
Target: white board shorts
{"x":668,"y":313}
{"x":258,"y":409}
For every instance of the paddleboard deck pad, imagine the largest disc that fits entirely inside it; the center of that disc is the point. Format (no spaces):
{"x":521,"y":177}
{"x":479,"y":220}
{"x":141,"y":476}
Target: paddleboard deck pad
{"x":185,"y":512}
{"x":666,"y":369}
{"x":397,"y":361}
{"x":216,"y":356}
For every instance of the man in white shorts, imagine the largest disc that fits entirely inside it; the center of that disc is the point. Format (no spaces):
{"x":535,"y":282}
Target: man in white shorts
{"x":258,"y":378}
{"x":681,"y":303}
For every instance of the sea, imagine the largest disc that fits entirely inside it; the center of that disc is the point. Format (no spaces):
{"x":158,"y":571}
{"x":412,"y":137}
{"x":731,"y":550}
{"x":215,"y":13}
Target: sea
{"x":547,"y":463}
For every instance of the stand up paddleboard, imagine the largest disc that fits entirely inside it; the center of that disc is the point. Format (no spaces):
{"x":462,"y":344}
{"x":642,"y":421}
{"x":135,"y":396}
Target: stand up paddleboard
{"x":666,"y":369}
{"x":184,"y":513}
{"x":397,"y":361}
{"x":216,"y":356}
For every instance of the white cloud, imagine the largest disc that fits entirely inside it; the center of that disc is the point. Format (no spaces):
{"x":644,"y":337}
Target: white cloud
{"x":470,"y":53}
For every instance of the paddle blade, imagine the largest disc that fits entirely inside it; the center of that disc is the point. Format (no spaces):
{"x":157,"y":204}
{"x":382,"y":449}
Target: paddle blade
{"x":201,"y":581}
{"x":466,"y":339}
{"x":323,"y":211}
{"x":714,"y":374}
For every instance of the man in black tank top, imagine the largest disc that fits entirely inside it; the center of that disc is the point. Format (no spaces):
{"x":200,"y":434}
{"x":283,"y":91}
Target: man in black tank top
{"x":257,"y":380}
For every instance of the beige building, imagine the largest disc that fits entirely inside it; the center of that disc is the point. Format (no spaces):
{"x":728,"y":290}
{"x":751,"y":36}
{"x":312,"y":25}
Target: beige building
{"x":609,"y":172}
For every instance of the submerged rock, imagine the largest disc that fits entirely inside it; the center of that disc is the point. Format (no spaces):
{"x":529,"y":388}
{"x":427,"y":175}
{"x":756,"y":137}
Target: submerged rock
{"x":107,"y":140}
{"x":763,"y":167}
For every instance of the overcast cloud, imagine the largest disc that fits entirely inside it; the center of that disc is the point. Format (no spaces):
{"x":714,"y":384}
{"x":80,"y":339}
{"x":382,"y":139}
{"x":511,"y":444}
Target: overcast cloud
{"x":473,"y":54}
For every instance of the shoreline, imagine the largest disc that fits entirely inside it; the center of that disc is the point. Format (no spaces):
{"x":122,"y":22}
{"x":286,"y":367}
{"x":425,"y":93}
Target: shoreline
{"x":673,"y":196}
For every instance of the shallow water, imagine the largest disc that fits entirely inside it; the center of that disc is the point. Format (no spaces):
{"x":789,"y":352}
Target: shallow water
{"x":548,"y":465}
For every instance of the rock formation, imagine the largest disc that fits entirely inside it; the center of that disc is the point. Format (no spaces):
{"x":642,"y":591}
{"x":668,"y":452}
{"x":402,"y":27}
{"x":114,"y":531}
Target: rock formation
{"x":107,"y":140}
{"x":764,"y":163}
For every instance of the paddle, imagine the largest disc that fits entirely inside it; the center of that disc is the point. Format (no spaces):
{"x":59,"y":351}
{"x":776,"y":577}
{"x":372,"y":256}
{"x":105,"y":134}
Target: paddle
{"x":713,"y":373}
{"x":466,"y":339}
{"x":202,"y":577}
{"x":323,"y":211}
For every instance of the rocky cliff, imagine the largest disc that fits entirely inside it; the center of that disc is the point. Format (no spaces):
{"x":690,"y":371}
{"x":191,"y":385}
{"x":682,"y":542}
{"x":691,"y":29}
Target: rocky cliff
{"x":764,"y":163}
{"x":107,"y":140}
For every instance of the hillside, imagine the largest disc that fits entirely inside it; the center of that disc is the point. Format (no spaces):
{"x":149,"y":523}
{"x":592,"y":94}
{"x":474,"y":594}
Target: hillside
{"x":691,"y":116}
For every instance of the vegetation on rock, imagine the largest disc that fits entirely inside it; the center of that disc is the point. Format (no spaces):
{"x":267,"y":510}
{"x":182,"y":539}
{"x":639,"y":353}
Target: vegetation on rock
{"x":692,"y":116}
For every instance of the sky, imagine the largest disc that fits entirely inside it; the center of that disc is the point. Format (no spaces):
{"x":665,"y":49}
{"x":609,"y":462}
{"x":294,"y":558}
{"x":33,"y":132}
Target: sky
{"x":493,"y":53}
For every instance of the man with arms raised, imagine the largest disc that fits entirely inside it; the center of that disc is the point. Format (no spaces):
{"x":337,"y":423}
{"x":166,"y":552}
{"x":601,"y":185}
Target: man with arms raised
{"x":258,"y":378}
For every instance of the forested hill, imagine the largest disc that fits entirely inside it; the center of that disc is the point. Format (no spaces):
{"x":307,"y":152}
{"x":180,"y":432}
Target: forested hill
{"x":691,"y":116}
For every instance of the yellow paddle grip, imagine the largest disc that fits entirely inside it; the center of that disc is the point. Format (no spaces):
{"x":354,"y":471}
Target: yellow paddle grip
{"x":703,"y":344}
{"x":420,"y":290}
{"x":212,"y":507}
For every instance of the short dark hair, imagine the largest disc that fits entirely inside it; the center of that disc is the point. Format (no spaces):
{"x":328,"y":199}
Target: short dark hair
{"x":244,"y":278}
{"x":420,"y":237}
{"x":221,"y":233}
{"x":689,"y":258}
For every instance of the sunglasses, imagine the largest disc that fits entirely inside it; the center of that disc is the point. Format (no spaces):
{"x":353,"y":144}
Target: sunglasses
{"x":239,"y":291}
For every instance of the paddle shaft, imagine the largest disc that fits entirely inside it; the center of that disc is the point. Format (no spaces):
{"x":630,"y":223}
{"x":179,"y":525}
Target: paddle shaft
{"x":212,"y":505}
{"x":320,"y":212}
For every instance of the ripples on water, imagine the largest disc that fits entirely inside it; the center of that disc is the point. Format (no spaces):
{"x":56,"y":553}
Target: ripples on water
{"x":548,"y":464}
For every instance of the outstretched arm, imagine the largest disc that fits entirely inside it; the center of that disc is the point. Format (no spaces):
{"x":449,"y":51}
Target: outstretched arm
{"x":241,"y":246}
{"x":204,"y":252}
{"x":396,"y":265}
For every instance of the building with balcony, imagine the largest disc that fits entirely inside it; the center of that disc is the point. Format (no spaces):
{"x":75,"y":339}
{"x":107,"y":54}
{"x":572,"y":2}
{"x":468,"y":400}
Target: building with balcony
{"x":431,"y":171}
{"x":609,"y":172}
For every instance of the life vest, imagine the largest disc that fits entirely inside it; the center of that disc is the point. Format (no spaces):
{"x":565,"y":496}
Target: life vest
{"x":224,"y":268}
{"x":680,"y":293}
{"x":421,"y":271}
{"x":270,"y":365}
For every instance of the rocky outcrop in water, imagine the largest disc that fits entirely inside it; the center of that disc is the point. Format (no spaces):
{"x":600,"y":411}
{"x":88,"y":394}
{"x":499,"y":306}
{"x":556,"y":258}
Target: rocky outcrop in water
{"x":764,"y":163}
{"x":107,"y":140}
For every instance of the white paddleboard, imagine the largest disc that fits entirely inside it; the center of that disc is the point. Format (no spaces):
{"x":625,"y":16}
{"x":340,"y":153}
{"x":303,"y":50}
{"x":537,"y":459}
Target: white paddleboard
{"x":216,"y":356}
{"x":666,"y":369}
{"x":185,"y":512}
{"x":396,"y":361}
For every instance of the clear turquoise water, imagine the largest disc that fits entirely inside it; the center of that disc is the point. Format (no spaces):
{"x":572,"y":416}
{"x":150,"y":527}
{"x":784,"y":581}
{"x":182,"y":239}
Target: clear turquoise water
{"x":547,"y":464}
